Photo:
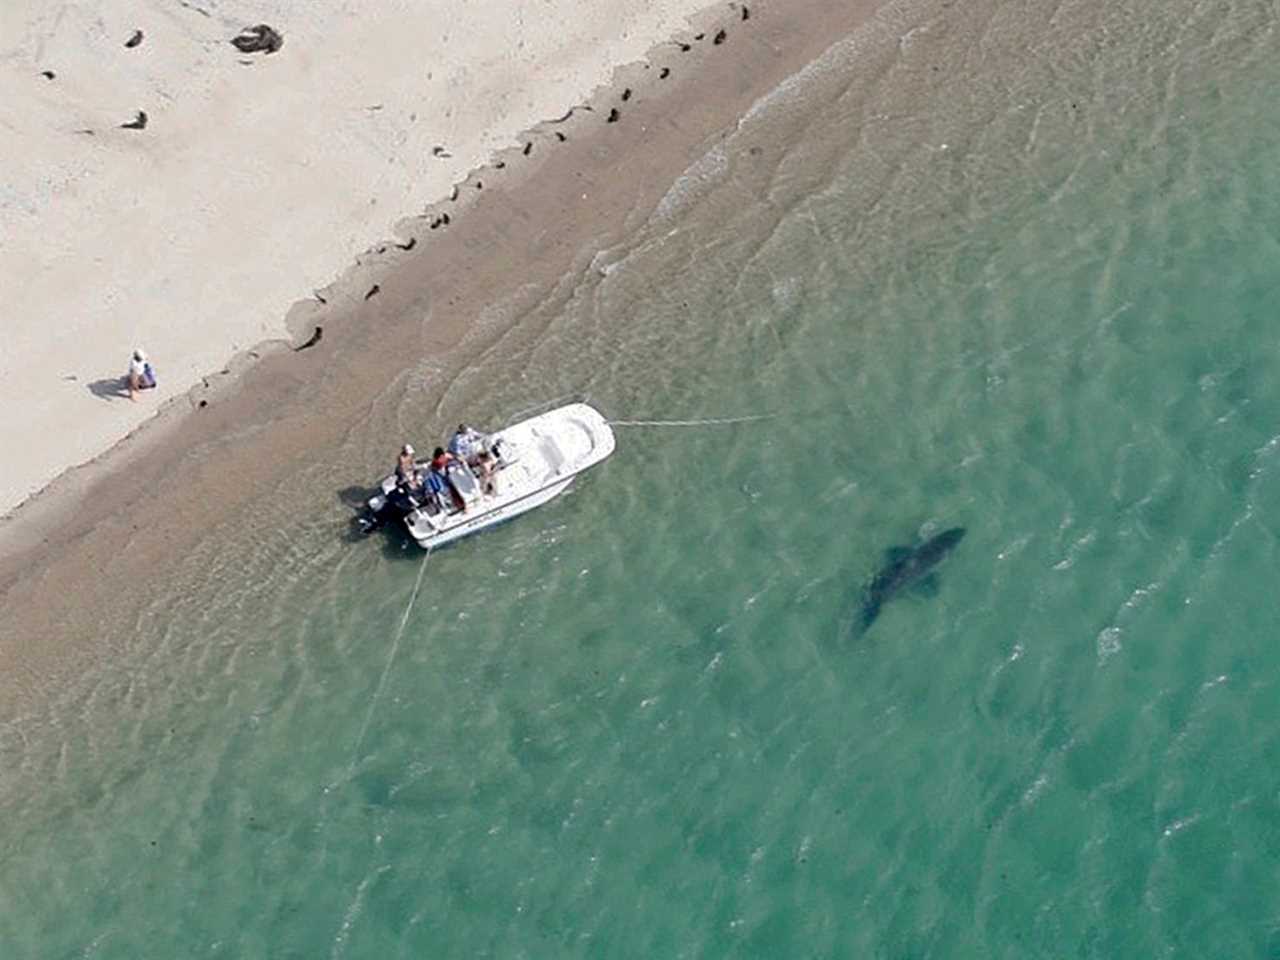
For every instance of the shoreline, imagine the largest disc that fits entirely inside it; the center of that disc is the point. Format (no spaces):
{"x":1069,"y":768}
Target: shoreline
{"x":251,"y":179}
{"x":101,"y":533}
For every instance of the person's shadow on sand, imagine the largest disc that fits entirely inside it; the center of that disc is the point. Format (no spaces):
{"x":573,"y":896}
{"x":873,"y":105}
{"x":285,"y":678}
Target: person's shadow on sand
{"x":110,"y":388}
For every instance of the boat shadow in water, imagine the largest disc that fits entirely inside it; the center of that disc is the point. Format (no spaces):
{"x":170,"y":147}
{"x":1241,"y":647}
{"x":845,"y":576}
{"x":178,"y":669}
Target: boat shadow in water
{"x":396,"y":542}
{"x":355,"y":497}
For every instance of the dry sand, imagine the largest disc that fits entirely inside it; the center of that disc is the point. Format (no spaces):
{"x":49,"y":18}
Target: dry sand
{"x":94,"y":546}
{"x":257,"y":177}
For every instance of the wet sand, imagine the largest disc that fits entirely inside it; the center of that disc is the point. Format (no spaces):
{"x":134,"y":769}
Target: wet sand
{"x":82,"y":560}
{"x":177,"y":175}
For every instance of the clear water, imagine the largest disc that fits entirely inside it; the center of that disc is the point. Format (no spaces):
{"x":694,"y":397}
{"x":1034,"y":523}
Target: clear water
{"x":638,"y":722}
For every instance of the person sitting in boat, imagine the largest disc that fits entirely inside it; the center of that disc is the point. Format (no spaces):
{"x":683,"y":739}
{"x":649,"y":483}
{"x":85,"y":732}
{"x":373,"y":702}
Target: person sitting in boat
{"x":440,"y":460}
{"x":467,"y":444}
{"x":438,"y":478}
{"x":436,"y":490}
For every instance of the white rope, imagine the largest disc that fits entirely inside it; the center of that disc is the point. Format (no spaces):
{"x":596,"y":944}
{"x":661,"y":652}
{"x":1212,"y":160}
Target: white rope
{"x":395,"y":646}
{"x":709,"y":422}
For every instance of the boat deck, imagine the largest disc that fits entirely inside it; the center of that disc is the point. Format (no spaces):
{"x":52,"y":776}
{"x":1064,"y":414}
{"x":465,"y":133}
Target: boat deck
{"x":539,"y":459}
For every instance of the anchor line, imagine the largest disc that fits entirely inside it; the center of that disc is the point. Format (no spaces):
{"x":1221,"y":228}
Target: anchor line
{"x":706,"y":422}
{"x":386,"y":670}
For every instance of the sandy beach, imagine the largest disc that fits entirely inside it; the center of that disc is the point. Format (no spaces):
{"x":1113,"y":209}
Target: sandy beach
{"x":254,"y":179}
{"x":103,"y":532}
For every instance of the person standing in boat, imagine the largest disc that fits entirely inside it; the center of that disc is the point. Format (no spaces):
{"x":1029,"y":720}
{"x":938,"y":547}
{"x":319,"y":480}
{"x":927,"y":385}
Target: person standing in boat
{"x":438,"y":478}
{"x":406,"y":469}
{"x":485,"y":467}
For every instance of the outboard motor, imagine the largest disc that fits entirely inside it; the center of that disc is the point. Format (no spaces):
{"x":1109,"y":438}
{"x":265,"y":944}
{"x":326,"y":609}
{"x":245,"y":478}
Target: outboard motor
{"x":393,"y":503}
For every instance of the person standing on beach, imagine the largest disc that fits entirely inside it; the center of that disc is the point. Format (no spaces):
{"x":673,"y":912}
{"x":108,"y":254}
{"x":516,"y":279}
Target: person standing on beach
{"x":142,"y":376}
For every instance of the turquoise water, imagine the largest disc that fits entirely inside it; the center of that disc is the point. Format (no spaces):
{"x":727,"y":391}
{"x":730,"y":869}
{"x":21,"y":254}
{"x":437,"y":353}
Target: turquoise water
{"x":638,"y":722}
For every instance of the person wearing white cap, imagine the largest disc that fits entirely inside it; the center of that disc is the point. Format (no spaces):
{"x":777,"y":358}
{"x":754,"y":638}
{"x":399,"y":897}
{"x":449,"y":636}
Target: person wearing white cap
{"x":406,"y":469}
{"x":142,"y":376}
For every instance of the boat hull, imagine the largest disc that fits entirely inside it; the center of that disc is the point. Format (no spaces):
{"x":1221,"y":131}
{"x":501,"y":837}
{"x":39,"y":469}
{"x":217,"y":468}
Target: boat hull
{"x":430,"y":539}
{"x":541,"y":457}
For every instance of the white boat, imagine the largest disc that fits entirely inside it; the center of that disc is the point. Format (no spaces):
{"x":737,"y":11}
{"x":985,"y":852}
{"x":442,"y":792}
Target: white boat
{"x":535,"y":460}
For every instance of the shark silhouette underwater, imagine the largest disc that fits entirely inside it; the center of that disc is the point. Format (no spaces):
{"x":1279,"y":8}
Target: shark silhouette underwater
{"x":907,"y":567}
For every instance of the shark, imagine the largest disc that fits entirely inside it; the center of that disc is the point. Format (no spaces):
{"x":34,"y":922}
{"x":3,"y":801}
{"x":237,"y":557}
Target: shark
{"x":907,"y":567}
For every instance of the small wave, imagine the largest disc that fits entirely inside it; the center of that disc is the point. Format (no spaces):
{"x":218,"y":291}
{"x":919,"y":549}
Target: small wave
{"x":795,"y":89}
{"x":1014,"y":548}
{"x":353,"y":911}
{"x":1109,"y":643}
{"x":1033,"y":792}
{"x":1073,"y":552}
{"x":1014,"y":656}
{"x":1179,"y":825}
{"x":786,"y":292}
{"x":708,"y":171}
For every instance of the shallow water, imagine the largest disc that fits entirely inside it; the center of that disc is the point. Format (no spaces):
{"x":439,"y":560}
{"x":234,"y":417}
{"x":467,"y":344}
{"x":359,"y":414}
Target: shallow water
{"x":1030,"y":293}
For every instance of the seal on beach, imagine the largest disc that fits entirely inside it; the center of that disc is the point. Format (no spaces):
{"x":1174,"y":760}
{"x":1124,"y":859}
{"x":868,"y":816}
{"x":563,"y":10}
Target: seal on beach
{"x":137,"y":123}
{"x":134,"y":40}
{"x":258,"y":39}
{"x":312,"y":340}
{"x":373,"y":291}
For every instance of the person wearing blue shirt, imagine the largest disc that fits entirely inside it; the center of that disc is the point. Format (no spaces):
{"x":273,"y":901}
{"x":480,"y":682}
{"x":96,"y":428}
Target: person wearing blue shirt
{"x":467,"y":444}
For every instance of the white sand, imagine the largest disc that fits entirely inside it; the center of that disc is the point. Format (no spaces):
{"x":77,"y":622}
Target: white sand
{"x":251,"y":186}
